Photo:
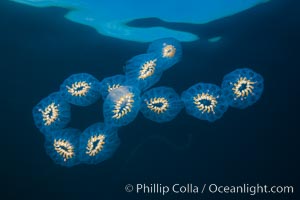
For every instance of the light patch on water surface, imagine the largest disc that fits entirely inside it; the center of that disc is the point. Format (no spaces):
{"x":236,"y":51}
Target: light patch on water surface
{"x":110,"y":18}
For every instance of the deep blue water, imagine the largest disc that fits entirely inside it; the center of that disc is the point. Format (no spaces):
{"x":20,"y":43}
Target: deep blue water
{"x":39,"y":49}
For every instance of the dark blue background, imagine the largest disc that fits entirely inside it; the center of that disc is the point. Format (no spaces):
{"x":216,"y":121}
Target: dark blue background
{"x":39,"y":49}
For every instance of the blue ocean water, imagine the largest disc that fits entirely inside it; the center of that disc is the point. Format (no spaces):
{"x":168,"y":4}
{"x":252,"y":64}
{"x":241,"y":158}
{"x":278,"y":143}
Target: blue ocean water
{"x":39,"y":49}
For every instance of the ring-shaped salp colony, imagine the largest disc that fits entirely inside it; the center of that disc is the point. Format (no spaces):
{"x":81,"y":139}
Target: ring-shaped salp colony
{"x":98,"y":143}
{"x":122,"y":102}
{"x":81,"y":89}
{"x":242,"y":87}
{"x":121,"y":106}
{"x":161,"y":104}
{"x":63,"y":146}
{"x":51,"y":113}
{"x":143,"y":71}
{"x":205,"y":101}
{"x":169,"y":52}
